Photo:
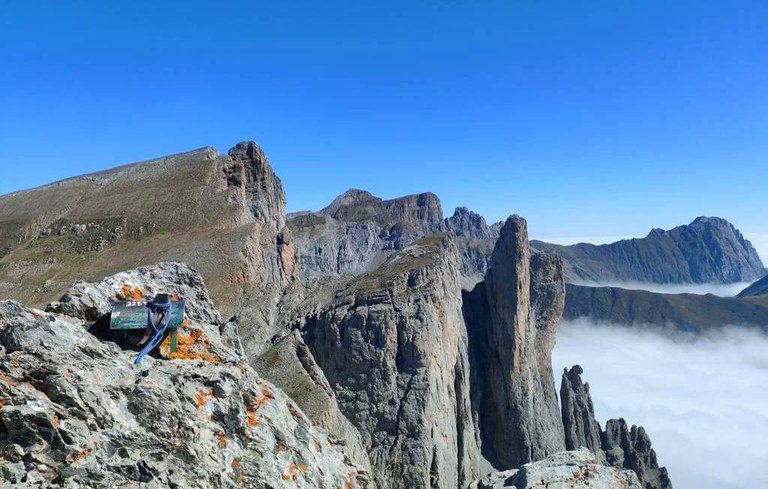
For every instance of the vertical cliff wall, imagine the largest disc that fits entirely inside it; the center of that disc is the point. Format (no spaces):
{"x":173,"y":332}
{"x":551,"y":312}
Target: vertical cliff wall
{"x":511,"y":317}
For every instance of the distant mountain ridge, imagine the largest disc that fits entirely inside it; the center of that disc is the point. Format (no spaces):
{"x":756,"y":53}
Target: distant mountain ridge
{"x":684,"y":312}
{"x":709,"y":250}
{"x":756,"y":289}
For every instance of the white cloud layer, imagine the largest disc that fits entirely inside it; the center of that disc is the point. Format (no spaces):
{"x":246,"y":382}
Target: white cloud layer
{"x":723,"y":290}
{"x":703,"y":401}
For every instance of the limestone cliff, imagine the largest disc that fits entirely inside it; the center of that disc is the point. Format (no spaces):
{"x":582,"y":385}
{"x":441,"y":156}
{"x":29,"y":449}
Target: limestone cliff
{"x":358,"y":231}
{"x":393,"y":347}
{"x":511,"y":317}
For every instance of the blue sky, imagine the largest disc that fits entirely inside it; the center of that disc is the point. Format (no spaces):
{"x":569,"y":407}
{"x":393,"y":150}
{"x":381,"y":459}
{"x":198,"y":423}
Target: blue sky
{"x":591,"y":119}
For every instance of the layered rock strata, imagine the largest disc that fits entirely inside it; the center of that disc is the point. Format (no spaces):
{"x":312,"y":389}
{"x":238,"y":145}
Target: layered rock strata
{"x":393,"y":347}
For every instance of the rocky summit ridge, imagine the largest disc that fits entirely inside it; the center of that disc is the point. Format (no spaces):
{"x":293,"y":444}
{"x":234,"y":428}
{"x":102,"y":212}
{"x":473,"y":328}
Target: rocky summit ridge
{"x":708,"y":250}
{"x":370,"y":344}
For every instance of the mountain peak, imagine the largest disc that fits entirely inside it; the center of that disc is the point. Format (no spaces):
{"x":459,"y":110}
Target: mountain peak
{"x":246,"y":150}
{"x":350,"y":197}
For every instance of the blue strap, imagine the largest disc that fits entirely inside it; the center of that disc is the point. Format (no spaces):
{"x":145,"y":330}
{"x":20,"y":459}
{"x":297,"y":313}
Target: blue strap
{"x":158,"y":329}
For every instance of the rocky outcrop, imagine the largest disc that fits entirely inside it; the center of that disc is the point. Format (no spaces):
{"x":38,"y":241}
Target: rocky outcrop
{"x":475,"y":240}
{"x":685,"y":312}
{"x":358,"y":231}
{"x":289,"y":365}
{"x":393,"y":347}
{"x":756,"y":289}
{"x":708,"y":250}
{"x":511,"y":317}
{"x":631,"y":449}
{"x":572,"y":469}
{"x":76,"y":411}
{"x":90,"y":302}
{"x":617,"y":446}
{"x":581,"y":428}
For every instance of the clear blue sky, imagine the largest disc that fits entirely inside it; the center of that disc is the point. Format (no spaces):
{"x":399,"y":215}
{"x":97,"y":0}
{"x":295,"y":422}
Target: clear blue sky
{"x":589,"y":118}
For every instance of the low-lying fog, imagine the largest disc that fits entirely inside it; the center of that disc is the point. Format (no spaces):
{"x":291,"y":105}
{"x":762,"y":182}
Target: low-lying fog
{"x":703,"y":401}
{"x":723,"y":290}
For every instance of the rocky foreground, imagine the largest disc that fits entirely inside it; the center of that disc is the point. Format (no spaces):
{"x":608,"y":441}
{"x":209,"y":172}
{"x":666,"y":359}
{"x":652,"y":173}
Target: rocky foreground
{"x":370,"y":344}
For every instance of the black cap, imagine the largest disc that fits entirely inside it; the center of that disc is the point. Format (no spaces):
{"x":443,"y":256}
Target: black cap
{"x":162,"y":298}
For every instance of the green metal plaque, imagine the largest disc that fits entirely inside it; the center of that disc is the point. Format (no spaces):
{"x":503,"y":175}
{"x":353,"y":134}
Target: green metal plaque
{"x":133,"y":315}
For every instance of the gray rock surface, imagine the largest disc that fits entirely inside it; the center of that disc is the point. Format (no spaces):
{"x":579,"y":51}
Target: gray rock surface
{"x":393,"y":347}
{"x":358,"y":231}
{"x":631,"y":449}
{"x":581,"y":428}
{"x":475,"y":240}
{"x":563,"y":470}
{"x":289,"y":365}
{"x":511,"y":317}
{"x":89,"y":301}
{"x":709,"y":250}
{"x":617,"y":446}
{"x":76,"y":412}
{"x":758,"y":288}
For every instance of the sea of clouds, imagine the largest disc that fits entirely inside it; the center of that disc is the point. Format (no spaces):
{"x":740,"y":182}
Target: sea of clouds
{"x":703,"y":400}
{"x":722,"y":290}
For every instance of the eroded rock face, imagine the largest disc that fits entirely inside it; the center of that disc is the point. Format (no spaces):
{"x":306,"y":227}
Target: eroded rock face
{"x":511,"y":316}
{"x":394,"y":350}
{"x":475,"y":240}
{"x":617,"y":446}
{"x":572,"y":469}
{"x":581,"y":429}
{"x":76,"y":412}
{"x":292,"y":368}
{"x":358,"y":231}
{"x":631,"y":449}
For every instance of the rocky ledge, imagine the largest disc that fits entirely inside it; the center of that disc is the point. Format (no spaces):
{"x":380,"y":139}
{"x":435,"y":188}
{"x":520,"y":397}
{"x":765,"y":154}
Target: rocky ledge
{"x":75,"y":411}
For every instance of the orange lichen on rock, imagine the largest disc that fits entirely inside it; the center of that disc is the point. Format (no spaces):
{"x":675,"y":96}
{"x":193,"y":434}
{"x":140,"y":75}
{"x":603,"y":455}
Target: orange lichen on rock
{"x":303,"y":468}
{"x":251,"y":415}
{"x":192,"y":345}
{"x":202,"y":396}
{"x":235,"y":464}
{"x":55,"y":421}
{"x":80,"y":456}
{"x":15,"y":361}
{"x":222,"y":439}
{"x":2,"y":403}
{"x":291,"y":474}
{"x":128,"y":292}
{"x":7,"y":380}
{"x":349,"y":483}
{"x":280,"y":447}
{"x":263,"y":397}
